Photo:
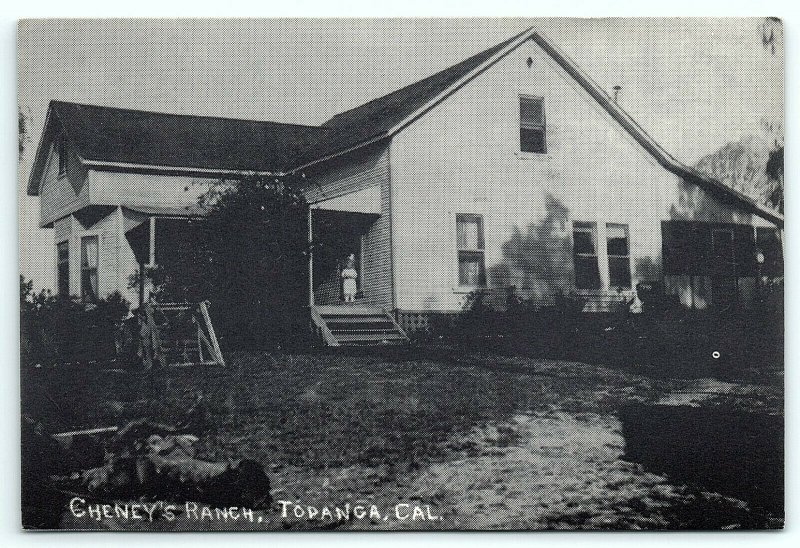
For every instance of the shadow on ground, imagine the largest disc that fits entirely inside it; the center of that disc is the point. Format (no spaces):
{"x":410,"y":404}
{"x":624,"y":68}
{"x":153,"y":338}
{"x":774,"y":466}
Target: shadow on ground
{"x":735,"y":453}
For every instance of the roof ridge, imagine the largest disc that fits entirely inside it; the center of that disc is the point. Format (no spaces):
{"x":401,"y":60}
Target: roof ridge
{"x":174,"y":114}
{"x":496,"y":47}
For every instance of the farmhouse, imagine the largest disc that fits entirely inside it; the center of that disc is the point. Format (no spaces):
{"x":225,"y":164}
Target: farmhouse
{"x":511,"y":168}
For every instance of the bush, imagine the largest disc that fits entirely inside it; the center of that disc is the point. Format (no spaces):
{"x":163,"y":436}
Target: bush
{"x":249,"y":257}
{"x":666,"y":338}
{"x":55,"y":329}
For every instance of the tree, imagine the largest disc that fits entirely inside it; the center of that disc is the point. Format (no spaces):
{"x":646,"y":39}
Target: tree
{"x":249,"y":257}
{"x":774,"y":170}
{"x":753,"y":165}
{"x":772,"y":40}
{"x":22,"y":131}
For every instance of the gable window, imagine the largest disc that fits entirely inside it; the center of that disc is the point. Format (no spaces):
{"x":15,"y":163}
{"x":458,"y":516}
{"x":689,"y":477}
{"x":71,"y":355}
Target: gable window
{"x":62,"y":156}
{"x":470,"y":243}
{"x":619,"y":257}
{"x":62,"y":253}
{"x":532,"y":134}
{"x":584,"y":250}
{"x":89,"y":262}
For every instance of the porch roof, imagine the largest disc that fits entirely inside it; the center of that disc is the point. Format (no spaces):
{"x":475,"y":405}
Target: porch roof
{"x":167,"y":211}
{"x":367,"y":200}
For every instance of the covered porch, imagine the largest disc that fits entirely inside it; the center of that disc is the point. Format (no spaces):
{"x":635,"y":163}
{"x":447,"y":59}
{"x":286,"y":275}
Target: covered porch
{"x":351,"y":225}
{"x":153,"y":233}
{"x":338,"y":229}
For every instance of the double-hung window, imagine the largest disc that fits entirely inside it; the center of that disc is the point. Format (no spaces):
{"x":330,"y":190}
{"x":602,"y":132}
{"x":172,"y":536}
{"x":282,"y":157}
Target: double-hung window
{"x":62,"y":253}
{"x":89,"y":262}
{"x":584,"y":249}
{"x":619,"y":257}
{"x":532,"y":129}
{"x":471,"y":253}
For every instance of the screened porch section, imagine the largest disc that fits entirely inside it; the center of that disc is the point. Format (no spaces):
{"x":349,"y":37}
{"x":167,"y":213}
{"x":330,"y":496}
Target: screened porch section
{"x":720,"y":265}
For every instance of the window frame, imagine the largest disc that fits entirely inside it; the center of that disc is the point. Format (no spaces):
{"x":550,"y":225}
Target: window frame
{"x":61,"y":152}
{"x":479,"y":251}
{"x":591,"y":228}
{"x":87,"y":269}
{"x":62,"y":278}
{"x":521,"y":125}
{"x":627,"y":258}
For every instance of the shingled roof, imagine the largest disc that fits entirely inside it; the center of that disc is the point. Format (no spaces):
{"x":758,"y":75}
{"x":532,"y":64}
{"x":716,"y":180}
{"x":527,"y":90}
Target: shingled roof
{"x":376,"y":118}
{"x":115,"y":137}
{"x":132,"y":138}
{"x":106,"y":137}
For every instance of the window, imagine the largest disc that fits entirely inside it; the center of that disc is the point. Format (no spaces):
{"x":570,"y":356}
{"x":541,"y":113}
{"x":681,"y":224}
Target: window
{"x":619,"y":257}
{"x":62,"y":254}
{"x":89,"y":261}
{"x":744,"y":242}
{"x":722,"y":252}
{"x":62,"y":156}
{"x":471,"y":260}
{"x":532,"y":135}
{"x":768,"y":242}
{"x":584,"y":249}
{"x":685,"y":247}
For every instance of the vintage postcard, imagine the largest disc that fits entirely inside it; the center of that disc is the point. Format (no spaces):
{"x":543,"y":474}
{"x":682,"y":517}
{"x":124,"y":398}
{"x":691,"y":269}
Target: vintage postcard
{"x":401,"y":274}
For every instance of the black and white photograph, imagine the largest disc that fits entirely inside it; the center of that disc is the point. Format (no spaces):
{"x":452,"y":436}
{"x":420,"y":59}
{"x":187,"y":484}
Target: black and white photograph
{"x":401,"y":274}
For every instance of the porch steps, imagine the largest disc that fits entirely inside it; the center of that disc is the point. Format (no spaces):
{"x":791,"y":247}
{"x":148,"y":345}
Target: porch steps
{"x":356,"y":325}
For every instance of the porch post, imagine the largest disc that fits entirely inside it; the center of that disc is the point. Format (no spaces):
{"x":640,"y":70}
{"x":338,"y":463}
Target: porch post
{"x":310,"y":258}
{"x":141,"y":284}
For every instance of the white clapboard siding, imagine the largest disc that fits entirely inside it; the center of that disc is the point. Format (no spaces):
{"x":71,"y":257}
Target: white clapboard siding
{"x":62,"y":195}
{"x":464,"y":157}
{"x":114,"y":188}
{"x":355,"y":173}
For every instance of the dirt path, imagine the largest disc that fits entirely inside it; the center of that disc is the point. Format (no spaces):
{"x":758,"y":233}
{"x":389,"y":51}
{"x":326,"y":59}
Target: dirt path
{"x":564,"y":472}
{"x":481,"y":443}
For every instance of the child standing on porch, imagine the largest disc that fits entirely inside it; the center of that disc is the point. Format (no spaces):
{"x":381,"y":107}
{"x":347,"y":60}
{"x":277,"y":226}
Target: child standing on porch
{"x":349,"y":275}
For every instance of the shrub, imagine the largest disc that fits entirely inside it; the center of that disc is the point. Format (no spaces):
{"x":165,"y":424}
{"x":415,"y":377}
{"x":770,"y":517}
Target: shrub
{"x":56,"y":329}
{"x":249,"y":257}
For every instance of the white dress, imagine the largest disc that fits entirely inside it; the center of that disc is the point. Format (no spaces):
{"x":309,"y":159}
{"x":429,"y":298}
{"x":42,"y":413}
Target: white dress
{"x":349,"y":284}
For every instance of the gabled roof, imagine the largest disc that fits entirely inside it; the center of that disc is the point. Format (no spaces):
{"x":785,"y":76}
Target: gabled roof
{"x":636,"y":131}
{"x":106,"y":137}
{"x":379,"y":117}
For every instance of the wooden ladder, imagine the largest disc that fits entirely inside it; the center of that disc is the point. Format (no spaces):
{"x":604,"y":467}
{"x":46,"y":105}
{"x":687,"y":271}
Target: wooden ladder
{"x":183,"y":334}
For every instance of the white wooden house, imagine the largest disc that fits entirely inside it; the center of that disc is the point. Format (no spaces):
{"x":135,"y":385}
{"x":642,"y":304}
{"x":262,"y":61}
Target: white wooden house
{"x":511,"y":168}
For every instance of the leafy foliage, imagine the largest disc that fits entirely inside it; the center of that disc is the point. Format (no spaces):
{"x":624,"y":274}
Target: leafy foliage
{"x":249,"y":257}
{"x":774,"y":170}
{"x":56,"y":329}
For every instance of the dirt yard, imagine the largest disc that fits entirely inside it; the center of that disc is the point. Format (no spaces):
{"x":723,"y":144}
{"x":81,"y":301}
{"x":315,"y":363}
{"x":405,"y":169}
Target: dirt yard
{"x":430,"y":438}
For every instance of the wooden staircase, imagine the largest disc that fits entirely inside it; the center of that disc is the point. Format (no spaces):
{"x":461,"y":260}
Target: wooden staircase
{"x":356,"y":325}
{"x":183,"y":334}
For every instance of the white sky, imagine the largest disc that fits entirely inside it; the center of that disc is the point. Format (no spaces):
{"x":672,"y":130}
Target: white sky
{"x":693,"y":84}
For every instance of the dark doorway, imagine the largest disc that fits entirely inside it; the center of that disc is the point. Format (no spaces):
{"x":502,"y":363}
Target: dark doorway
{"x":337,"y":235}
